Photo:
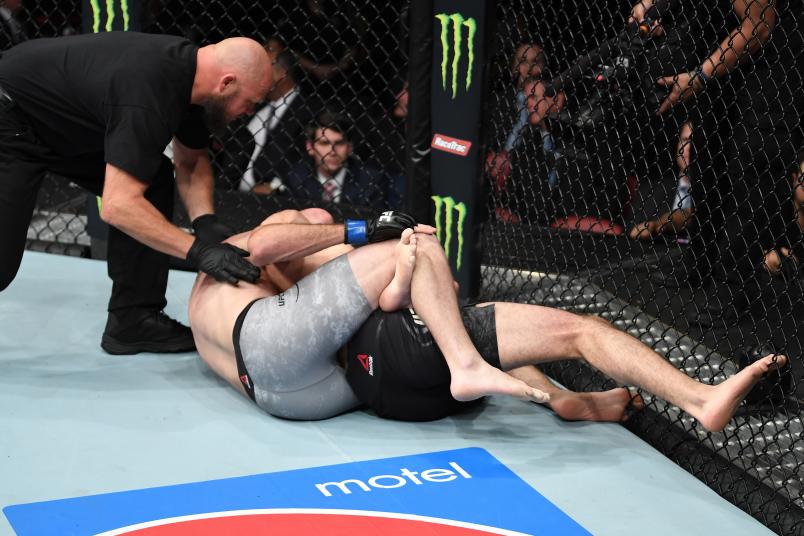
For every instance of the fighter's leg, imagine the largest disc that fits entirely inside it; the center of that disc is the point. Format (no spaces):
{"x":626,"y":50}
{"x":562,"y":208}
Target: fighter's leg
{"x":529,"y":334}
{"x":433,"y":296}
{"x":397,"y":294}
{"x":289,"y":341}
{"x":608,"y":406}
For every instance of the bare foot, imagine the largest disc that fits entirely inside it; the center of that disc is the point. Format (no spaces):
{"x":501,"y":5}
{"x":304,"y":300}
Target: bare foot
{"x":481,"y":379}
{"x":397,"y":294}
{"x":608,"y":406}
{"x":724,"y":398}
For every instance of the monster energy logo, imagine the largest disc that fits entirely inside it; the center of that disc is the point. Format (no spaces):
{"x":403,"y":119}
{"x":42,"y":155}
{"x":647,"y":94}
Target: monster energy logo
{"x":449,"y":208}
{"x":458,"y":23}
{"x":110,"y":9}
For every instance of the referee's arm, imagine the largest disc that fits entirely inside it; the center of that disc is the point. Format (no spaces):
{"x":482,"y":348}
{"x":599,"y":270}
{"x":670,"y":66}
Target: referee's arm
{"x":125,"y":207}
{"x":194,"y":180}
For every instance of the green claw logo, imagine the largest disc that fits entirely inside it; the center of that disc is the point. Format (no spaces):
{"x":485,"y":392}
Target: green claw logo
{"x":448,"y":207}
{"x":458,"y":22}
{"x":110,"y":14}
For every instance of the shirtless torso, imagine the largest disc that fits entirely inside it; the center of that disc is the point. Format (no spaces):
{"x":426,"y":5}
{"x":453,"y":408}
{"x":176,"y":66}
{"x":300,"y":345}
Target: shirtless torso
{"x":213,"y":332}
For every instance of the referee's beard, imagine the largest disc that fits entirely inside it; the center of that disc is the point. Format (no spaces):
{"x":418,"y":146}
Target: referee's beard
{"x":215,"y":117}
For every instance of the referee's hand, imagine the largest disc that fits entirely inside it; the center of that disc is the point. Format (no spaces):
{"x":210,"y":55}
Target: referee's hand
{"x":224,"y":262}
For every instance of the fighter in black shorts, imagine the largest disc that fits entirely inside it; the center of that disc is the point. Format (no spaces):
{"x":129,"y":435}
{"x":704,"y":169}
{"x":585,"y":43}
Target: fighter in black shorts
{"x":395,"y":367}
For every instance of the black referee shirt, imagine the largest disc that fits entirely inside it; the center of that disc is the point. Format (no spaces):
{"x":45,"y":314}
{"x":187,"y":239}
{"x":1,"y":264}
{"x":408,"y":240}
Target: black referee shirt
{"x":120,"y":94}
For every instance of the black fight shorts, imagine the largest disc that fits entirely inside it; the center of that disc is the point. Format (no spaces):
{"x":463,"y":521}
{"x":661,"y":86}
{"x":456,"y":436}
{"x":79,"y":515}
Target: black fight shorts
{"x":395,"y":367}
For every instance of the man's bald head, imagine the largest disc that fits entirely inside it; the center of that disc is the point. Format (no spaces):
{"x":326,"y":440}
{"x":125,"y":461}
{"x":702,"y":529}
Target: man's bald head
{"x":244,"y":58}
{"x":232,"y":78}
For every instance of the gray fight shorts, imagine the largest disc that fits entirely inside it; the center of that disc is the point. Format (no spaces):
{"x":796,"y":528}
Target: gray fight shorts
{"x":286,"y":345}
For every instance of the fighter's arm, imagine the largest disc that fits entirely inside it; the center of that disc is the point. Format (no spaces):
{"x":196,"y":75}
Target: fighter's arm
{"x":124,"y":206}
{"x":194,"y":180}
{"x":281,"y":242}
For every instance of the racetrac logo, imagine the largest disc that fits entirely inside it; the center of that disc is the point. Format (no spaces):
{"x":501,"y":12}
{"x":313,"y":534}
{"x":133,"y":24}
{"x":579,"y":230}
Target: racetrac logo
{"x":458,"y":24}
{"x":449,"y":215}
{"x":368,"y":363}
{"x":451,"y":145}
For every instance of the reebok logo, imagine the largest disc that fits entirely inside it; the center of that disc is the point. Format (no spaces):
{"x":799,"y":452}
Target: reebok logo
{"x":244,"y":381}
{"x":451,"y":145}
{"x":368,"y":363}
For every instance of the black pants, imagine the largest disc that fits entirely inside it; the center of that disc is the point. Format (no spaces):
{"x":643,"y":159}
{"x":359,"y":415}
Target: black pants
{"x":765,"y":139}
{"x":139,"y":273}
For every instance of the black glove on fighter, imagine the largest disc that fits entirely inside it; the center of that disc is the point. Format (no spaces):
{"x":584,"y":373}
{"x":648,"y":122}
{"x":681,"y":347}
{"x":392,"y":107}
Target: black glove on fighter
{"x":224,"y":262}
{"x":210,"y":229}
{"x":387,"y":226}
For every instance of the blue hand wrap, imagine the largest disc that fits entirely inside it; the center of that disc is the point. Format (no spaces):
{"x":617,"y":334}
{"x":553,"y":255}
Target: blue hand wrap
{"x":356,"y":232}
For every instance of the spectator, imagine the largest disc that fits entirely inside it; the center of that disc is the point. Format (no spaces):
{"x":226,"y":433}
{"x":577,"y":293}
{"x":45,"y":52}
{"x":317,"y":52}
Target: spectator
{"x":785,"y":259}
{"x":11,"y":32}
{"x":527,"y":65}
{"x":528,"y":62}
{"x":333,"y":175}
{"x":259,"y":151}
{"x":383,"y":141}
{"x":763,"y":140}
{"x":324,"y":43}
{"x":519,"y":189}
{"x":682,"y":209}
{"x":274,"y":45}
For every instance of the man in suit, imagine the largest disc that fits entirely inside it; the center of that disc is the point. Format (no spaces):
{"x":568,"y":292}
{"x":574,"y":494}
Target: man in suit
{"x":334,"y":176}
{"x":261,"y":149}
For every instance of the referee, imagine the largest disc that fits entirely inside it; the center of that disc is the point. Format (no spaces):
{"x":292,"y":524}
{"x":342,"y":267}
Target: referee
{"x":100,"y":109}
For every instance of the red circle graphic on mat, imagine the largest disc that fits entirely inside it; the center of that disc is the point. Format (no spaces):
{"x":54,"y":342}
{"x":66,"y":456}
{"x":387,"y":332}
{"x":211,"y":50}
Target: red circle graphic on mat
{"x":306,"y":522}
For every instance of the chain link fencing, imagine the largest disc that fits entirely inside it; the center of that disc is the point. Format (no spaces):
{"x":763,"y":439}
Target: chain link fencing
{"x":683,"y":229}
{"x":330,"y":134}
{"x":332,"y":131}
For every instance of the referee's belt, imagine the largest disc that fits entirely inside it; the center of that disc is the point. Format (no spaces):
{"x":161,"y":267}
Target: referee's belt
{"x":5,"y":98}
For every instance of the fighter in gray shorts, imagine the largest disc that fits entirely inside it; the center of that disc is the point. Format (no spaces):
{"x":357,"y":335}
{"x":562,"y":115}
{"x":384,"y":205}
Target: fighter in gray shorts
{"x":286,"y":345}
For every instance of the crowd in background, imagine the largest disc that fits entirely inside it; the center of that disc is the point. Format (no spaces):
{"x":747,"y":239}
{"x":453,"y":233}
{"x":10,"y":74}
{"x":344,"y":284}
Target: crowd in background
{"x":701,"y":112}
{"x":718,"y":156}
{"x":333,"y":127}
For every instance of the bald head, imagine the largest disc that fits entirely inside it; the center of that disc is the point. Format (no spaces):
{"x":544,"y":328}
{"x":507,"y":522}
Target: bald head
{"x":245,"y":58}
{"x":231,"y":78}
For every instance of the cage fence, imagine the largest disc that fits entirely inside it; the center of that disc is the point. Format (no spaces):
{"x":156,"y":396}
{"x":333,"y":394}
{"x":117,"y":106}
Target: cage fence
{"x":683,"y":228}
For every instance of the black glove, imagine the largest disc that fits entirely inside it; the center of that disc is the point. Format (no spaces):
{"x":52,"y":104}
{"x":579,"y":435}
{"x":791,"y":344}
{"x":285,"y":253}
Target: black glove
{"x":224,"y":262}
{"x":210,"y":229}
{"x":387,"y":226}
